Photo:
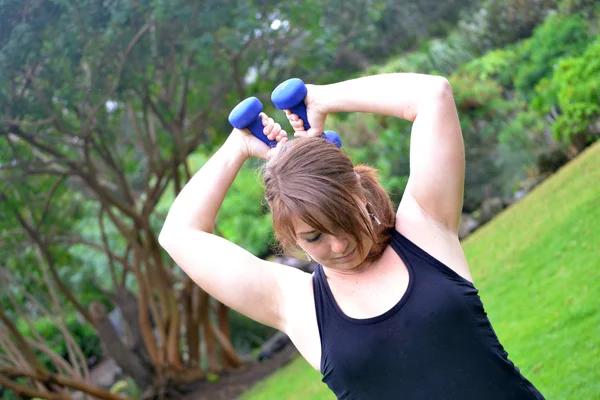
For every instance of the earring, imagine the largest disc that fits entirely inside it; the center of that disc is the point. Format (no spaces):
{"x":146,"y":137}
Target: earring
{"x":372,"y":215}
{"x":375,"y":218}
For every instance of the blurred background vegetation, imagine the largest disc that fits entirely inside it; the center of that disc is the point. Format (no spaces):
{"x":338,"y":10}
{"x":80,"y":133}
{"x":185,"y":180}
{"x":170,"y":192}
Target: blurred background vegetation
{"x":109,"y":107}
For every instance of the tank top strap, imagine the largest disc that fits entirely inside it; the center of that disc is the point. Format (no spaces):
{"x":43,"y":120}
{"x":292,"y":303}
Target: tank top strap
{"x":321,"y":295}
{"x":416,"y":258}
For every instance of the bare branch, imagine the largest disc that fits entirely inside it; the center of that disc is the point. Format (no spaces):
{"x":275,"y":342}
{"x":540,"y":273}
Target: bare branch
{"x":13,"y":355}
{"x":82,"y":241}
{"x":22,"y":343}
{"x":109,"y":159}
{"x":130,"y":46}
{"x":49,"y":199}
{"x":111,"y":263}
{"x":32,"y":140}
{"x":63,"y":381}
{"x":28,"y":392}
{"x":75,"y":354}
{"x":146,"y":144}
{"x":48,"y":258}
{"x":25,"y":124}
{"x":58,"y":361}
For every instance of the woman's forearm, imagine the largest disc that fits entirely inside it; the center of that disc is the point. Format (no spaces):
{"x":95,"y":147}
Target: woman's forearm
{"x":198,"y":203}
{"x":400,"y":94}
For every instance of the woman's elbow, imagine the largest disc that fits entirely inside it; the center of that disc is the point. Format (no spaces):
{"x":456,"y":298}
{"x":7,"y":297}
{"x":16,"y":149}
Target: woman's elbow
{"x":442,"y":88}
{"x":166,"y":237}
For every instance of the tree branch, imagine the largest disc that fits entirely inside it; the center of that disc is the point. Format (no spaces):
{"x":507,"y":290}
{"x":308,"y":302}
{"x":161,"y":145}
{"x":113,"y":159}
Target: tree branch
{"x":49,"y":199}
{"x":111,"y":262}
{"x":63,"y":381}
{"x":23,"y":346}
{"x":73,"y":350}
{"x":48,"y":258}
{"x":21,"y":390}
{"x":79,"y":240}
{"x":130,"y":46}
{"x":108,"y":158}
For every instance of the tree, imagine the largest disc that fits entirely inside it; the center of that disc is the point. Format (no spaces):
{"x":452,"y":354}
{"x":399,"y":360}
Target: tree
{"x":106,"y":102}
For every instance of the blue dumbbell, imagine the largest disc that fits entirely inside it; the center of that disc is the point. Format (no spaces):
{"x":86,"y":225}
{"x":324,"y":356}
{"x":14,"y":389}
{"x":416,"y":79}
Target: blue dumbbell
{"x":245,"y":116}
{"x":290,"y":95}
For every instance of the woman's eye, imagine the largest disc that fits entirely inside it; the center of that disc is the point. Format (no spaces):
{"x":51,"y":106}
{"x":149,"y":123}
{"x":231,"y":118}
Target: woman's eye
{"x":313,"y":238}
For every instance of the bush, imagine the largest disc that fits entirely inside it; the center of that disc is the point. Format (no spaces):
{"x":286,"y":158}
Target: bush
{"x":244,"y":218}
{"x":500,"y":23}
{"x":83,"y":334}
{"x":558,"y":37}
{"x":573,"y":93}
{"x":248,"y":335}
{"x":588,"y":9}
{"x":495,"y":65}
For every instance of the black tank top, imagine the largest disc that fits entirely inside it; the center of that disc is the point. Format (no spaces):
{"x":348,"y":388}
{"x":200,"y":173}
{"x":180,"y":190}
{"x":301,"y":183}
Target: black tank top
{"x":435,"y":343}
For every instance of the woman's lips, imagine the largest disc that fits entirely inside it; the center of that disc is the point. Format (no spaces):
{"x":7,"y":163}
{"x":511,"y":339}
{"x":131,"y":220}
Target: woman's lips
{"x":347,"y":257}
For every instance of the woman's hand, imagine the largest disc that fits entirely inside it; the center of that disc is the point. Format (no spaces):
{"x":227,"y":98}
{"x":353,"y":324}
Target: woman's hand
{"x":315,"y":112}
{"x":251,"y":146}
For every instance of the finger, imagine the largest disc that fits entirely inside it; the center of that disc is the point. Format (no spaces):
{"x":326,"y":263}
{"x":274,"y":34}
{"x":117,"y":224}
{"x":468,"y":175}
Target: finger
{"x":282,"y":135}
{"x":275,"y":132}
{"x":312,"y":132}
{"x":300,"y":134}
{"x":273,"y":151}
{"x":291,"y":117}
{"x":298,"y":125}
{"x":264,"y":118}
{"x":282,"y":142}
{"x":269,"y":128}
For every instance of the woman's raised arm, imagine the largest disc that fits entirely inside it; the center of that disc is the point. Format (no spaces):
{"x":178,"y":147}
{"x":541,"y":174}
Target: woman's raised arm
{"x":227,"y":272}
{"x":437,"y":157}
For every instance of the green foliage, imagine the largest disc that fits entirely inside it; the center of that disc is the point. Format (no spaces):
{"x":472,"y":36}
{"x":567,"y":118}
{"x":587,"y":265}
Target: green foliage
{"x":244,"y":218}
{"x":520,"y":139}
{"x":574,"y":89}
{"x":84,"y":335}
{"x":408,"y":24}
{"x":382,"y":142}
{"x":495,"y":65}
{"x":484,"y":112}
{"x":588,"y":9}
{"x":449,"y":53}
{"x":127,"y":387}
{"x":556,"y":38}
{"x":246,"y":334}
{"x":500,"y":23}
{"x":575,"y":120}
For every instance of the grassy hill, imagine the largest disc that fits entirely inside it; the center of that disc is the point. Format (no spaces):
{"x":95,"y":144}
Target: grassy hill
{"x":537,"y":266}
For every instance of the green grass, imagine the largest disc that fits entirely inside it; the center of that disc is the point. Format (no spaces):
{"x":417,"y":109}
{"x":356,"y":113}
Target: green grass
{"x":537,"y":266}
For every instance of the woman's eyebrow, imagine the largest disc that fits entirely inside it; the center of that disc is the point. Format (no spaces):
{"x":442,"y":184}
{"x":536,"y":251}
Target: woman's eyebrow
{"x":306,"y":233}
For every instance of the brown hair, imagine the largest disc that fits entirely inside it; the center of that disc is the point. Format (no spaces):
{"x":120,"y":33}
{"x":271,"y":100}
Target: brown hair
{"x":315,"y":181}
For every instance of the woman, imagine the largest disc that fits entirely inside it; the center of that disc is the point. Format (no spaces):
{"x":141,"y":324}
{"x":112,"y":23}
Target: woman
{"x":390,"y":312}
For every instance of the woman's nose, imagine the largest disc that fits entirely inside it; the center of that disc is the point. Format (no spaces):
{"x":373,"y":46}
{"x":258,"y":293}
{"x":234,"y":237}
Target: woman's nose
{"x":339,"y":245}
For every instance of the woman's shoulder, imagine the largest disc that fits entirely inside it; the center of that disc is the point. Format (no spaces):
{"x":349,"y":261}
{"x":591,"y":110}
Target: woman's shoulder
{"x":432,"y":237}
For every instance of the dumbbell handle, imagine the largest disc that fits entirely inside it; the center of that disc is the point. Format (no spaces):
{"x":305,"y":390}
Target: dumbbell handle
{"x":245,"y":116}
{"x":290,"y":95}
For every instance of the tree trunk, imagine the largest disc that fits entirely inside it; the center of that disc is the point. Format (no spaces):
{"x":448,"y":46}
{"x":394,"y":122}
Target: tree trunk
{"x":127,"y":303}
{"x":129,"y":361}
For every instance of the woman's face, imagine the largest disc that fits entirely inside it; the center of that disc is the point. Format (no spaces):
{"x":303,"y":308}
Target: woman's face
{"x":332,"y":251}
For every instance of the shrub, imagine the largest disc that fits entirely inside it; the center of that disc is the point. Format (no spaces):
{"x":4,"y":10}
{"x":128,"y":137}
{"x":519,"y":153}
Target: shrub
{"x":500,"y":23}
{"x":558,"y":37}
{"x":573,"y":91}
{"x":83,"y":334}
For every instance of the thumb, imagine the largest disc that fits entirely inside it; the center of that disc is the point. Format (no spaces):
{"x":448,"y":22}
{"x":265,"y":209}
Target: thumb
{"x":314,"y":132}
